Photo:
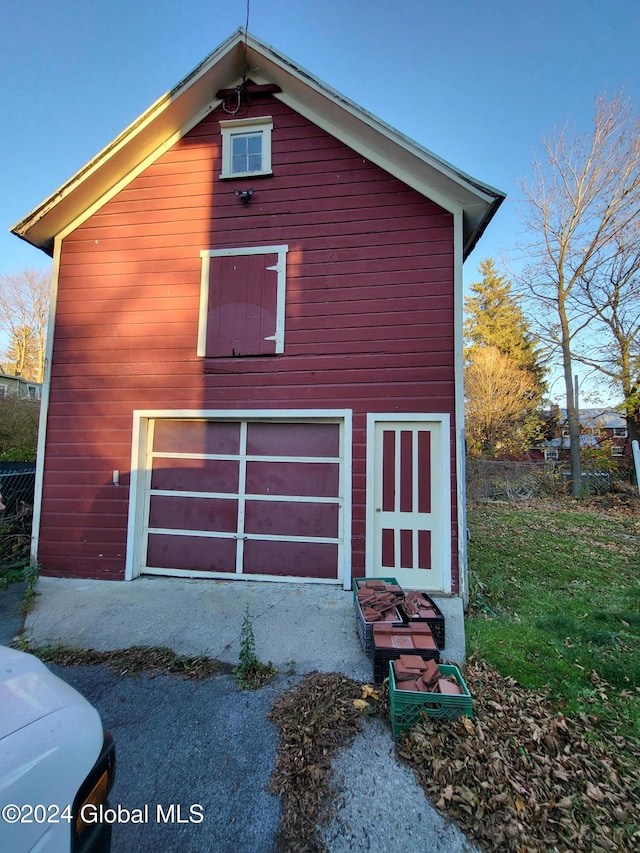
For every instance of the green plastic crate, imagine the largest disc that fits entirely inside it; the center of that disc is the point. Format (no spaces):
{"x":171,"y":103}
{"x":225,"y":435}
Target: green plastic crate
{"x":358,"y":581}
{"x":407,"y":706}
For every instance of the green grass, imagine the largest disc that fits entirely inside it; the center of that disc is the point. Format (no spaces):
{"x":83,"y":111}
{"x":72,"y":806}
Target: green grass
{"x":555,"y":603}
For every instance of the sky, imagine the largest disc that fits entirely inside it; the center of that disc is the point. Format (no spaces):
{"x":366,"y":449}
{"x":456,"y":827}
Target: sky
{"x":477,"y":82}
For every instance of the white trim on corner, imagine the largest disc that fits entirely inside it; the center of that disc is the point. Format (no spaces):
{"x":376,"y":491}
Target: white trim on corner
{"x":460,"y":450}
{"x":44,"y":401}
{"x":281,"y":289}
{"x":444,"y":419}
{"x":139,"y":479}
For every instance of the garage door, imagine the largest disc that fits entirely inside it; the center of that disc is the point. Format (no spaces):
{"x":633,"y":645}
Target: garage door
{"x":245,"y":498}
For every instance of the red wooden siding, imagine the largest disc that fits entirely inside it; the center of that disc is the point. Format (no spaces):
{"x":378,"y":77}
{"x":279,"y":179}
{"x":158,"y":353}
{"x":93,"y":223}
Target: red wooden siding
{"x":369,"y":318}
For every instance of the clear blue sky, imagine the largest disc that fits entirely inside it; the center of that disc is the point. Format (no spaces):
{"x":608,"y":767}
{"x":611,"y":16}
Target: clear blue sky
{"x":478,"y":82}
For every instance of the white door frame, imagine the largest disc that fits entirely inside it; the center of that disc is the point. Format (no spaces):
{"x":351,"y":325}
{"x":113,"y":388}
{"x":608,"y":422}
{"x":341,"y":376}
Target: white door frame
{"x":140,"y":477}
{"x":443,"y":499}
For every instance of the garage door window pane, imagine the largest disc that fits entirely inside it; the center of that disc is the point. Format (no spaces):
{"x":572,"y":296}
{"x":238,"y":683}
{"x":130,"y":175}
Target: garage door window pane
{"x":288,"y":518}
{"x":207,"y":437}
{"x":195,"y":475}
{"x":195,"y":553}
{"x":314,"y":479}
{"x":291,"y":439}
{"x":182,"y":513}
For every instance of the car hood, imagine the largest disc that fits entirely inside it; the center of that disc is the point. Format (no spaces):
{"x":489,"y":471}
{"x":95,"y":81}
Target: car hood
{"x":29,"y":692}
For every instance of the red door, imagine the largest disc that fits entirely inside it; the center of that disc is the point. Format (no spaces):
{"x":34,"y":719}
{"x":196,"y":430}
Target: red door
{"x":242,"y":305}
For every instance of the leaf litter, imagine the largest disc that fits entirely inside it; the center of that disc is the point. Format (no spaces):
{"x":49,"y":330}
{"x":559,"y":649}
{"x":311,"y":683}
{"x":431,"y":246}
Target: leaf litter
{"x":519,"y":776}
{"x":522,"y":777}
{"x":317,"y":718}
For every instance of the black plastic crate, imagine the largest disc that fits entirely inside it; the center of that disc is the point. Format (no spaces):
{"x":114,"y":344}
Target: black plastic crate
{"x":365,"y":629}
{"x":436,"y":623}
{"x":382,"y":657}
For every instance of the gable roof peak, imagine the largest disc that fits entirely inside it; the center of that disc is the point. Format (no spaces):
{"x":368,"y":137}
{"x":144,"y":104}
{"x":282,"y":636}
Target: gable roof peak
{"x":242,"y":55}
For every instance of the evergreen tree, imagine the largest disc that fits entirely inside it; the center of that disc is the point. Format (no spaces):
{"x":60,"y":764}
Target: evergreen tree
{"x":504,"y":379}
{"x":495,"y":319}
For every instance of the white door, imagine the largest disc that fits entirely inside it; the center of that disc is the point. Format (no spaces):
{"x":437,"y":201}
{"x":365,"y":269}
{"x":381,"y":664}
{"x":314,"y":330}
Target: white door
{"x":409,"y":499}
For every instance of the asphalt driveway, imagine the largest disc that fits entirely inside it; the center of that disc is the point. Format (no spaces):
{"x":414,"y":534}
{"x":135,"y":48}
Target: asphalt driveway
{"x":203,"y":747}
{"x":208,"y":749}
{"x":194,"y":758}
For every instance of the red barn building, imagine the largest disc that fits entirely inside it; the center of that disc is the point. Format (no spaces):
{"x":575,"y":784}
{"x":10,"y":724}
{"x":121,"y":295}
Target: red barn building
{"x":255,"y":351}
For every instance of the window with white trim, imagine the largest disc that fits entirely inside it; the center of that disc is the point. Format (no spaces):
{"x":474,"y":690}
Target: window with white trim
{"x":551,"y":454}
{"x":242,"y":301}
{"x":617,"y":450}
{"x":620,"y":432}
{"x":246,"y":147}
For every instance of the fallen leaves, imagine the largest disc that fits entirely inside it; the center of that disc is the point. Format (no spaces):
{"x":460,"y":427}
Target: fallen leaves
{"x":149,"y":659}
{"x":522,"y":777}
{"x":317,"y":718}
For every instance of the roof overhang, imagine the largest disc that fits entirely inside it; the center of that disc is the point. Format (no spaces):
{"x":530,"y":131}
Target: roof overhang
{"x":176,"y":112}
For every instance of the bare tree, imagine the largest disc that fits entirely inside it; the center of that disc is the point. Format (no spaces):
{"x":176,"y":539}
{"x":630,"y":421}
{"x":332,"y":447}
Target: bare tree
{"x":612,"y":295}
{"x":583,"y":197}
{"x":24,"y":309}
{"x":500,"y":400}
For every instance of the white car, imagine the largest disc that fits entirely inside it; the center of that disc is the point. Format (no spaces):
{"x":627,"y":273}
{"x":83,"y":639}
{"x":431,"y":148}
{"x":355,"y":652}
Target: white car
{"x":57,"y":764}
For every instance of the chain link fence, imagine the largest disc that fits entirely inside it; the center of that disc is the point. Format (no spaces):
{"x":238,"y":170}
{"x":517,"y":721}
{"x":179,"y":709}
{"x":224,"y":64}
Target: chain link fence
{"x":17,"y":485}
{"x":519,"y":481}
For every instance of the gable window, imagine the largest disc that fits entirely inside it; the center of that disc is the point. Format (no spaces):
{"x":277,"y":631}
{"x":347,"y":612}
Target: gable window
{"x":242,"y":301}
{"x":246,"y":147}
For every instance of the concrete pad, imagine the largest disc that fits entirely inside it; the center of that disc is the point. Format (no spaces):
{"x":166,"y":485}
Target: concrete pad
{"x":380,"y":807}
{"x":300,"y":626}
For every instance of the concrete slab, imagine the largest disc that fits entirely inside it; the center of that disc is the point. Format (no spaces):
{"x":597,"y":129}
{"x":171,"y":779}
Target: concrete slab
{"x":301,"y":626}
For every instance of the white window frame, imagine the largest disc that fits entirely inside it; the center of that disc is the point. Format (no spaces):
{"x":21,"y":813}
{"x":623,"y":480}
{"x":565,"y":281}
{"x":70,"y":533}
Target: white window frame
{"x":551,"y":454}
{"x":281,"y":289}
{"x":620,"y":432}
{"x":262,"y":125}
{"x":617,"y":450}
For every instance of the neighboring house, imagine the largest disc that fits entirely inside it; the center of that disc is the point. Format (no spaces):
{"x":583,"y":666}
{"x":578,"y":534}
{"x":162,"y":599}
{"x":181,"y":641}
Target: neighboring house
{"x":255,"y":362}
{"x":18,"y":386}
{"x":598,"y":427}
